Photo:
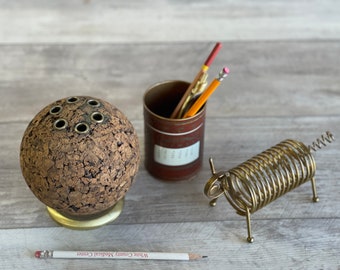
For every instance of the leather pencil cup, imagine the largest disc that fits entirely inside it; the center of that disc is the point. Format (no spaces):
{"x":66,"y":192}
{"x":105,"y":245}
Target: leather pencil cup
{"x":173,"y":147}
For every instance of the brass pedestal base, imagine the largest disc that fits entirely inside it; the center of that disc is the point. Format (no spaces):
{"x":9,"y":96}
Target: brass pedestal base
{"x":90,"y":223}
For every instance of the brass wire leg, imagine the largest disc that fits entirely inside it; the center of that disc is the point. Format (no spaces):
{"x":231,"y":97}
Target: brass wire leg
{"x":213,"y":202}
{"x":250,"y":239}
{"x":315,"y":195}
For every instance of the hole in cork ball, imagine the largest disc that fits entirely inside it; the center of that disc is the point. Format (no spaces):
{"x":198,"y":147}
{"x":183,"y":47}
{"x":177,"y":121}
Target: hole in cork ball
{"x":60,"y":124}
{"x":72,"y":100}
{"x":82,"y":128}
{"x":97,"y":117}
{"x":93,"y":103}
{"x":56,"y":110}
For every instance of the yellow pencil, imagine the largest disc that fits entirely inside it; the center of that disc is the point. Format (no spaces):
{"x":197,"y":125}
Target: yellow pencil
{"x":207,"y":93}
{"x":204,"y":69}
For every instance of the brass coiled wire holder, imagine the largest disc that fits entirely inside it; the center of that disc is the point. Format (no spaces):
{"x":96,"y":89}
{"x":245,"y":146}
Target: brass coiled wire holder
{"x":265,"y":177}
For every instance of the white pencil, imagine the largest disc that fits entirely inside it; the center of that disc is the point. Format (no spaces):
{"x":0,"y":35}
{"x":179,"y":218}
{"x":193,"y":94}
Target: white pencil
{"x":112,"y":255}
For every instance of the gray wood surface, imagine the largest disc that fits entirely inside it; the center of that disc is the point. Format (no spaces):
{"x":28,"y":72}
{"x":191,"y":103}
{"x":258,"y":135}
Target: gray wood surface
{"x":284,"y":83}
{"x":157,"y":21}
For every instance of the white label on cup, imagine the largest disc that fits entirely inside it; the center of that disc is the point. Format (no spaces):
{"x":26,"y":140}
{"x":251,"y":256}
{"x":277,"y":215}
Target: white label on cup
{"x":176,"y":156}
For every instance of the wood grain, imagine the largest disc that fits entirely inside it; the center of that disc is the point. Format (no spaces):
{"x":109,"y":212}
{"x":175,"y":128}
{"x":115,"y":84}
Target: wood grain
{"x":284,"y":83}
{"x":184,"y":201}
{"x":223,"y":243}
{"x":163,"y":21}
{"x":266,"y":78}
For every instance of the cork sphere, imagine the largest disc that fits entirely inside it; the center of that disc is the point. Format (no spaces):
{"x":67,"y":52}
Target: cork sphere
{"x":79,"y":156}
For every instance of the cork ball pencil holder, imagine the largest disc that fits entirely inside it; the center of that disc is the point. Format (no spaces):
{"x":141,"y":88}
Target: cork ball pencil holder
{"x":79,"y":156}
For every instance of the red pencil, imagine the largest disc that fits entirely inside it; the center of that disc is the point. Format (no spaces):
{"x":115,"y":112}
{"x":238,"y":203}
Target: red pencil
{"x":203,"y":70}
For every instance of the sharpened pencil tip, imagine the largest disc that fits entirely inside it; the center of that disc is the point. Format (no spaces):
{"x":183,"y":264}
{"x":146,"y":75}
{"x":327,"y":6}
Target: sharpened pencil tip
{"x":204,"y":256}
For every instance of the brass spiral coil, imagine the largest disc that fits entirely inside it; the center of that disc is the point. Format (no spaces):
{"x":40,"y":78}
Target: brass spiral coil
{"x":322,"y":141}
{"x":266,"y":176}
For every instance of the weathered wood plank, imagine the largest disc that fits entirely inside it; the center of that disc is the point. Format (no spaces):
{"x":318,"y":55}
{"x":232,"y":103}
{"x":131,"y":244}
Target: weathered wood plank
{"x":285,"y":243}
{"x":38,"y":21}
{"x":284,"y":83}
{"x":229,"y":140}
{"x":267,"y":78}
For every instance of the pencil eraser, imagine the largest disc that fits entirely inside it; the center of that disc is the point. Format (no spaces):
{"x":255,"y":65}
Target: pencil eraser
{"x":37,"y":254}
{"x":226,"y":70}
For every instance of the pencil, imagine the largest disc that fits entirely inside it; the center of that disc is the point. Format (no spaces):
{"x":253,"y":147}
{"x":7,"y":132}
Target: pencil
{"x":194,"y":94}
{"x":203,"y":70}
{"x":207,"y":93}
{"x":114,"y":255}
